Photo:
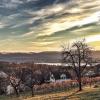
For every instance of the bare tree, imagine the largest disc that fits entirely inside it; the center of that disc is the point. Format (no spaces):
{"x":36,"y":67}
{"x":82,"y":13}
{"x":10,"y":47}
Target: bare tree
{"x":32,"y":80}
{"x":78,"y":57}
{"x":15,"y":79}
{"x":34,"y":77}
{"x":29,"y":79}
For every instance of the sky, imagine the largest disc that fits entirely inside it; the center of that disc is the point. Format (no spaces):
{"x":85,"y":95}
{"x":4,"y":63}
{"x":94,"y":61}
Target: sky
{"x":44,"y":25}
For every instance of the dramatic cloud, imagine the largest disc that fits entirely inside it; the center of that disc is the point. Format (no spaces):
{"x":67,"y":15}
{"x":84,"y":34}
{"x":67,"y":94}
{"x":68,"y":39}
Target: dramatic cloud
{"x":39,"y":25}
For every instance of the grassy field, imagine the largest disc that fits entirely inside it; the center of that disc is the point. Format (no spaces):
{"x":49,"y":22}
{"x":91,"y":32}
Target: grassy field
{"x":87,"y":94}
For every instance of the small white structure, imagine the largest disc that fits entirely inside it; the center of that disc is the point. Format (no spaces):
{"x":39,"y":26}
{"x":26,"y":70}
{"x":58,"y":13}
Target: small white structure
{"x":63,"y":77}
{"x":3,"y":75}
{"x":52,"y":78}
{"x":10,"y":90}
{"x":90,"y":73}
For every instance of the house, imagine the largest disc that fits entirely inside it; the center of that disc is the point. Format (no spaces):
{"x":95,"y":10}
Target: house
{"x":63,"y":76}
{"x":54,"y":77}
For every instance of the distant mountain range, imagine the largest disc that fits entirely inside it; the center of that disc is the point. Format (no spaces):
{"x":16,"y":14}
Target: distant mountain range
{"x":42,"y":57}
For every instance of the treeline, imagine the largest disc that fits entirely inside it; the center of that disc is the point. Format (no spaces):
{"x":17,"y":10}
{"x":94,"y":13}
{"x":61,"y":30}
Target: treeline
{"x":26,"y":76}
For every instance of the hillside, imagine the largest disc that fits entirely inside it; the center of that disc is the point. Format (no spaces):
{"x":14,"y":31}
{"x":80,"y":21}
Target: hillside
{"x":87,"y":94}
{"x":42,"y":57}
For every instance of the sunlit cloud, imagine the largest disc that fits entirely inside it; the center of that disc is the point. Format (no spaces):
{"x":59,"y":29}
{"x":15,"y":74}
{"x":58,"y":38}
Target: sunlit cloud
{"x":93,"y":38}
{"x":39,"y":25}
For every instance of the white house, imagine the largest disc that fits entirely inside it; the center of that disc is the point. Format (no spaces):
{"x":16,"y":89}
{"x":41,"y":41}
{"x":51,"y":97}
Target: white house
{"x":63,"y":77}
{"x":52,"y":78}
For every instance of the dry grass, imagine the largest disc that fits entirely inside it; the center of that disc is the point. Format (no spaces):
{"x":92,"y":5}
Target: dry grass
{"x":87,"y":94}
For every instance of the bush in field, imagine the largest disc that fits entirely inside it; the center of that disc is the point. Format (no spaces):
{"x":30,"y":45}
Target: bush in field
{"x":64,"y":85}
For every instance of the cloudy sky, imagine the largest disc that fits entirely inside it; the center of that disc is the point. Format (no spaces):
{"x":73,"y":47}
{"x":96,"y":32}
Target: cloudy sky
{"x":44,"y":25}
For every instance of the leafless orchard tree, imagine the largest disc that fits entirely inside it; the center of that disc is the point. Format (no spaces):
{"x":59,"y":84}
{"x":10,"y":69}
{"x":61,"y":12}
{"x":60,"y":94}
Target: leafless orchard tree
{"x":15,"y":79}
{"x":34,"y":78}
{"x":78,"y":57}
{"x":29,"y":78}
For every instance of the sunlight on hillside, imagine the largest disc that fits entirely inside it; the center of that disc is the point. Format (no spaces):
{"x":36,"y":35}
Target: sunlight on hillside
{"x":87,"y":94}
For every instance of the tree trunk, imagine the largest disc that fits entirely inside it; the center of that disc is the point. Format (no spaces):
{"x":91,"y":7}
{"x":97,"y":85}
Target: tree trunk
{"x":16,"y":91}
{"x":32,"y":91}
{"x":80,"y":84}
